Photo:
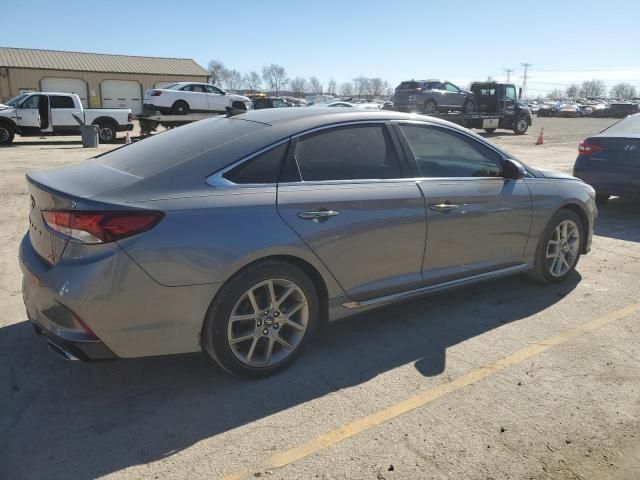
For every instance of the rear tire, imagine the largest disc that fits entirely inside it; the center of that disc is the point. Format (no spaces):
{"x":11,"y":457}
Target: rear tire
{"x":556,"y":244}
{"x":602,"y":198}
{"x":180,"y":108}
{"x":106,"y":133}
{"x":7,"y":133}
{"x":246,"y":323}
{"x":430,"y":107}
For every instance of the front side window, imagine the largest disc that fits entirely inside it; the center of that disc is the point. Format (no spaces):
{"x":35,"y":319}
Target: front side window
{"x":450,"y":87}
{"x":440,"y":153}
{"x":347,"y":153}
{"x":263,"y":168}
{"x":31,"y":102}
{"x":59,"y":101}
{"x":212,"y":89}
{"x":510,"y":93}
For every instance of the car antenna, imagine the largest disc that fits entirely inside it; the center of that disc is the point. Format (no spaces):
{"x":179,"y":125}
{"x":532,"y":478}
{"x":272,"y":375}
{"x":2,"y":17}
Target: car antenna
{"x":234,"y":111}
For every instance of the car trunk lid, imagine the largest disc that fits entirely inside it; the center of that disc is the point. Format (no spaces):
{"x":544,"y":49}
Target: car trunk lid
{"x":616,"y":152}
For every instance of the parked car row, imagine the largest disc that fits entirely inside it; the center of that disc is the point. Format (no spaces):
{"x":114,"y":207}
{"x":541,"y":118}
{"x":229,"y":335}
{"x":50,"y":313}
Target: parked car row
{"x":574,"y":109}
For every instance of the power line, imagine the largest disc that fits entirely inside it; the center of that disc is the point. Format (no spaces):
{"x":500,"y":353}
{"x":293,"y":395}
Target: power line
{"x":508,"y":72}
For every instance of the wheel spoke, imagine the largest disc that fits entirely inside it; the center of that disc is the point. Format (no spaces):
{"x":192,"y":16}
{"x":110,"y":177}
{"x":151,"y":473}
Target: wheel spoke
{"x":272,"y":293}
{"x":239,"y":318}
{"x":286,"y":294}
{"x":243,"y":338}
{"x":272,"y":342}
{"x":295,"y":325}
{"x":252,"y":300}
{"x":284,"y":343}
{"x":294,"y":310}
{"x":252,"y":349}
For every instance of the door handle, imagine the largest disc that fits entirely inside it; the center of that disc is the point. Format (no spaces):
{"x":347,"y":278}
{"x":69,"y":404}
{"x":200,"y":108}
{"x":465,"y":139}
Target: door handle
{"x":317,"y":215}
{"x":443,"y":207}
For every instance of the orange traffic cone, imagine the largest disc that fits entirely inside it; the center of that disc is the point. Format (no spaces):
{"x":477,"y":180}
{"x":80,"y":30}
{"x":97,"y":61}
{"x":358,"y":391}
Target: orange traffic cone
{"x":127,"y":139}
{"x":540,"y":140}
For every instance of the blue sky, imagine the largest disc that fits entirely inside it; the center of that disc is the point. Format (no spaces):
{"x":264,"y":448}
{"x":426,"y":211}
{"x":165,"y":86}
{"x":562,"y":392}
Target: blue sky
{"x":457,"y":40}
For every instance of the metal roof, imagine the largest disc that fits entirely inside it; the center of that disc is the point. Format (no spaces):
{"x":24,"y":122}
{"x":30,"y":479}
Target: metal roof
{"x":97,"y":62}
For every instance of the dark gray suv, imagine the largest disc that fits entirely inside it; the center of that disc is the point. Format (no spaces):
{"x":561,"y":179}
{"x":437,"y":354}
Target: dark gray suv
{"x":432,"y":96}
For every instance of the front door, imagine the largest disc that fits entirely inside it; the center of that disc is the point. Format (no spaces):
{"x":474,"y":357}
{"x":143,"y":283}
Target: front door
{"x":477,"y":221}
{"x":216,"y":98}
{"x":356,"y":209}
{"x":34,"y":115}
{"x":454,"y":97}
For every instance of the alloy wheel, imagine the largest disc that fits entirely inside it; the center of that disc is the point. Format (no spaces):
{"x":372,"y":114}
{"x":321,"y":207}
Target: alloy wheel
{"x":4,"y":134}
{"x":268,"y":322}
{"x":563,"y":248}
{"x":106,"y":134}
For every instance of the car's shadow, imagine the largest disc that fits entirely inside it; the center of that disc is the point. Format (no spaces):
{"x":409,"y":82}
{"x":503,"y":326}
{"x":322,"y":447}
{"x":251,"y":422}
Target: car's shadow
{"x":70,"y":420}
{"x":619,"y":218}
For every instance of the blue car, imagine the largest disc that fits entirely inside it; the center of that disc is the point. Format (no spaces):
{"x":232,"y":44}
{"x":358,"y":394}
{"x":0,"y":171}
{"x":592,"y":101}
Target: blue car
{"x":610,"y":160}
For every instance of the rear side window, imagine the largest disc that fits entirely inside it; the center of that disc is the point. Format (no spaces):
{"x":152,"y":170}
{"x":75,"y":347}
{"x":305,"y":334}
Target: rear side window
{"x":263,"y":168}
{"x":407,"y":85}
{"x":347,"y":153}
{"x":59,"y":101}
{"x":440,"y":153}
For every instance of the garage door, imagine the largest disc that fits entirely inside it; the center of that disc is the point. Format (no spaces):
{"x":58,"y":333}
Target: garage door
{"x":66,"y":85}
{"x":121,"y":94}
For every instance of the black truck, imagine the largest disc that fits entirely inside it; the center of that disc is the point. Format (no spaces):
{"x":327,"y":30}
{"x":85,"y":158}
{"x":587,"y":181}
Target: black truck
{"x":496,"y":105}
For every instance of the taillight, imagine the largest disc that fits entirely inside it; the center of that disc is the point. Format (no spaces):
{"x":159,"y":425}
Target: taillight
{"x":130,"y":117}
{"x":586,"y":148}
{"x":419,"y":89}
{"x":156,"y":93}
{"x":100,"y":227}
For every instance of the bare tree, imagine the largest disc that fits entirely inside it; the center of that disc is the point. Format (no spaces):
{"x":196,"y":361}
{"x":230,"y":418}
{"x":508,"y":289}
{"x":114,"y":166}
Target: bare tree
{"x":573,"y":90}
{"x":555,"y":94}
{"x":275,"y":76}
{"x":252,"y":81}
{"x":331,"y":87}
{"x":592,"y":88}
{"x":316,"y":85}
{"x":360,"y":85}
{"x":387,"y":90}
{"x":346,"y":89}
{"x":623,"y":91}
{"x":376,"y":87}
{"x":298,"y":85}
{"x":232,"y":79}
{"x":217,"y":71}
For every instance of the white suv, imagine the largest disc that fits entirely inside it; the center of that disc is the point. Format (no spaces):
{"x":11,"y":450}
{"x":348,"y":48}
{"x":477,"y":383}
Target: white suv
{"x":184,"y":97}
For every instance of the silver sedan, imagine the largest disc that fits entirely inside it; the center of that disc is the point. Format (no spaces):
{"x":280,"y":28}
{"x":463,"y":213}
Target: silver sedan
{"x":239,"y":235}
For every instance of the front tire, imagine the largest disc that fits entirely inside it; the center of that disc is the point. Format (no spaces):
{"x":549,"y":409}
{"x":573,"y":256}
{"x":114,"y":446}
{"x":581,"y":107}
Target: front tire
{"x":261,"y":319}
{"x":7,"y":133}
{"x":521,"y":125}
{"x":106,"y":133}
{"x":559,"y":248}
{"x":238,"y":106}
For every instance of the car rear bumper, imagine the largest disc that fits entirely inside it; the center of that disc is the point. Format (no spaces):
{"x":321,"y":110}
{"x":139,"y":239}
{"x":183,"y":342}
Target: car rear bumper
{"x":106,"y":306}
{"x":93,"y":351}
{"x":608,"y":180}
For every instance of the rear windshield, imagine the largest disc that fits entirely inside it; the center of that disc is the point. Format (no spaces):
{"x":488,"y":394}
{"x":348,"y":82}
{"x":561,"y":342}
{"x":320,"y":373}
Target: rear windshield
{"x":168,"y":149}
{"x":407,"y":85}
{"x":630,"y":125}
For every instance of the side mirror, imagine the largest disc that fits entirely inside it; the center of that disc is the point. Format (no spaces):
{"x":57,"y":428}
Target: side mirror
{"x":520,"y":93}
{"x":512,"y":169}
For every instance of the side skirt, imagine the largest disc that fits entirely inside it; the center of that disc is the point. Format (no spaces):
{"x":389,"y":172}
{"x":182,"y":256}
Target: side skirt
{"x":375,"y":302}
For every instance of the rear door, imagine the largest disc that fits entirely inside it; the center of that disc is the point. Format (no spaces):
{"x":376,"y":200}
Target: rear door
{"x":350,"y":201}
{"x":63,"y":109}
{"x":196,"y":96}
{"x":477,"y":221}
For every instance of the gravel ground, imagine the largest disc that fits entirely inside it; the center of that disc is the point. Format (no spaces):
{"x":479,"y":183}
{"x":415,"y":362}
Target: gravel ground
{"x":567,"y":412}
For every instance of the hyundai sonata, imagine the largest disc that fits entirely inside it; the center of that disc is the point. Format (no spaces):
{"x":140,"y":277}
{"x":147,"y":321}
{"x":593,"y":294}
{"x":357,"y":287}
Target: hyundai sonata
{"x":239,"y":235}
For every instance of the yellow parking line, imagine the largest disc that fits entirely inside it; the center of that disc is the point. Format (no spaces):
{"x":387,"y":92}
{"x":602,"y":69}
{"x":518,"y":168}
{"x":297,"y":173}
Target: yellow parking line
{"x":376,"y":418}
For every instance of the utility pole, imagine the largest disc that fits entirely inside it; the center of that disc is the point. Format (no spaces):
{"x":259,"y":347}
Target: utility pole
{"x":524,"y":81}
{"x":508,"y":72}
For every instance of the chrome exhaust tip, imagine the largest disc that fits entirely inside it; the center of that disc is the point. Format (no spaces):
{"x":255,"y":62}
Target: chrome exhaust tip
{"x":62,"y":352}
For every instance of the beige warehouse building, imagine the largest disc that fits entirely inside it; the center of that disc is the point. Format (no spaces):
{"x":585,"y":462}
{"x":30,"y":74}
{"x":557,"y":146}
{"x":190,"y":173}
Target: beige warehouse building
{"x":100,"y":80}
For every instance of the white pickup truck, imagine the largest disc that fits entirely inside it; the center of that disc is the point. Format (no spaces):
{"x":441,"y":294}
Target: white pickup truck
{"x":49,"y":113}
